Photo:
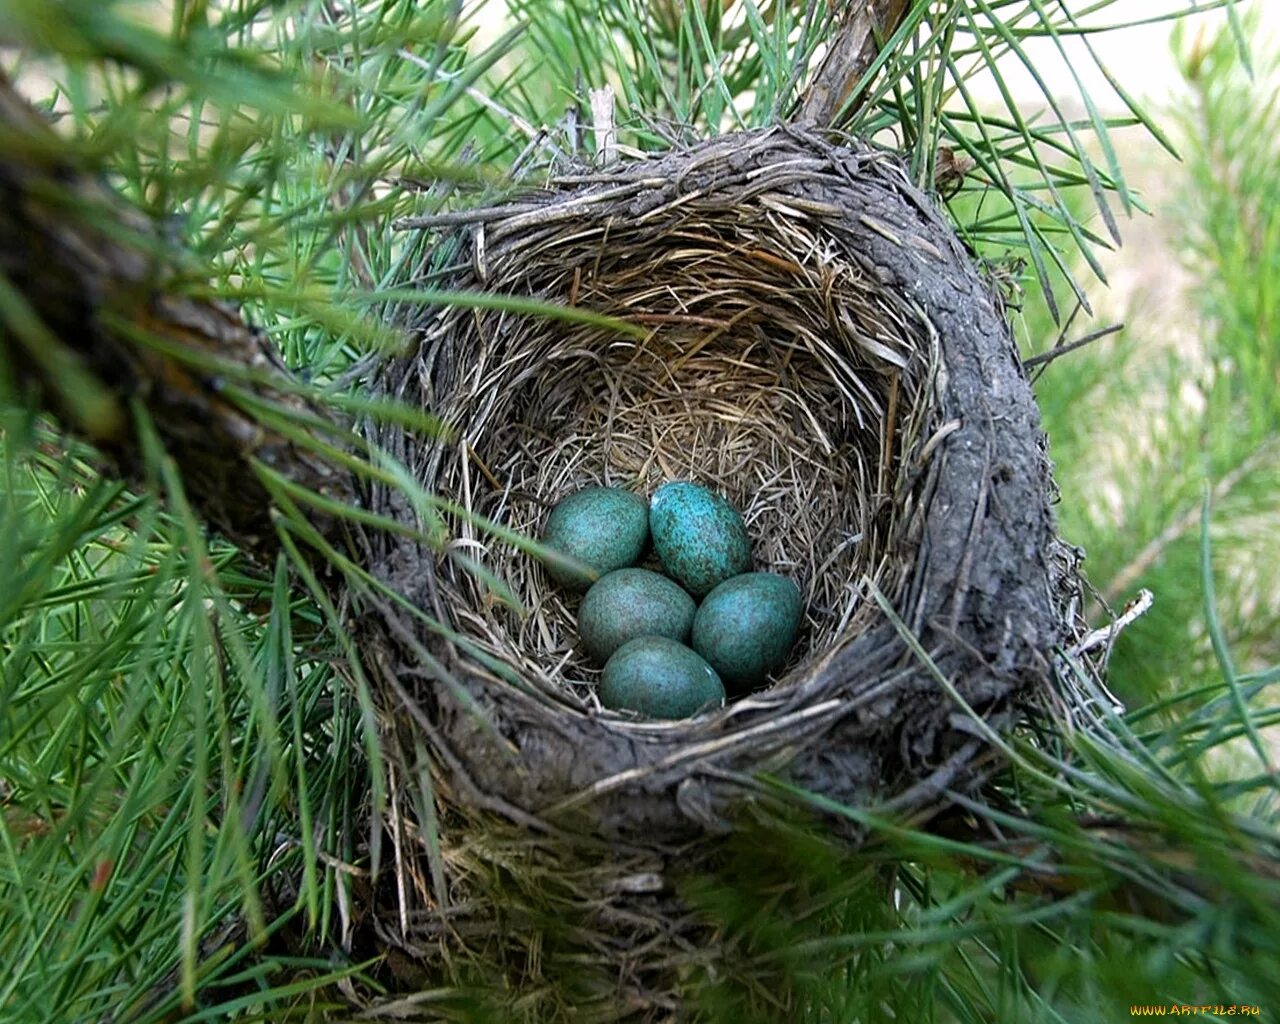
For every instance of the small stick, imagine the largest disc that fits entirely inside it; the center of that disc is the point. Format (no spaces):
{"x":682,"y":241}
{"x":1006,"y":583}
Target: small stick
{"x":1135,"y":609}
{"x":488,"y":474}
{"x":1044,"y":358}
{"x":602,"y":127}
{"x":853,"y":50}
{"x":891,"y":426}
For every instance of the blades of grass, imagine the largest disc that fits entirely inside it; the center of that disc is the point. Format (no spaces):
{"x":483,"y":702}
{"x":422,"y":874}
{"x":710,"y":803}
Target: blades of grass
{"x":389,"y":471}
{"x":947,"y":931}
{"x":1009,"y":145}
{"x":425,"y":801}
{"x":1221,"y":650}
{"x":282,"y":673}
{"x":1238,"y":33}
{"x":232,"y":1008}
{"x":89,"y":405}
{"x":770,"y":48}
{"x":71,"y":531}
{"x":1210,"y":728}
{"x":1099,"y":125}
{"x":202,"y":62}
{"x":364,"y":693}
{"x":647,"y":78}
{"x":695,"y":17}
{"x":363,"y":581}
{"x":492,"y":583}
{"x":205,"y":683}
{"x":340,"y":509}
{"x":509,"y":304}
{"x":933,"y":86}
{"x":1064,"y":214}
{"x":915,"y":843}
{"x":192,"y":898}
{"x":1159,"y":18}
{"x":1134,"y":107}
{"x":99,"y":587}
{"x":378,"y":591}
{"x":996,"y":174}
{"x":1134,"y":793}
{"x":20,"y":890}
{"x":1118,"y":731}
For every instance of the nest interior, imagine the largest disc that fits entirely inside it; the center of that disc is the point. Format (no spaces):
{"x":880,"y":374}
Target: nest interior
{"x":739,"y":382}
{"x":809,"y":338}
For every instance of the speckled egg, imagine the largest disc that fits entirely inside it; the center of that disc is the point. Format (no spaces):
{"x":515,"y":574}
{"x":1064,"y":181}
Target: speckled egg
{"x":628,"y":603}
{"x":604,"y":528}
{"x":659,"y":678}
{"x":699,"y":536}
{"x":747,"y":626}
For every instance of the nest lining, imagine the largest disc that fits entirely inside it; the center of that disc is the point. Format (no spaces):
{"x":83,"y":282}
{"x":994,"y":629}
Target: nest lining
{"x":745,"y":382}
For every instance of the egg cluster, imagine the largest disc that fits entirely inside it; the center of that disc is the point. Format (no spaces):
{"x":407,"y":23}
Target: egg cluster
{"x":665,"y":655}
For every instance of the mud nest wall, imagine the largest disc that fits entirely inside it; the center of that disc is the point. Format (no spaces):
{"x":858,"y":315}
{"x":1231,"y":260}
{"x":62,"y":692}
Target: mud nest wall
{"x":815,"y":343}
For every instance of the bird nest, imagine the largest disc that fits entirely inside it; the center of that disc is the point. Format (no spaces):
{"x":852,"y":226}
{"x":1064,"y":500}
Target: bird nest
{"x":808,"y":337}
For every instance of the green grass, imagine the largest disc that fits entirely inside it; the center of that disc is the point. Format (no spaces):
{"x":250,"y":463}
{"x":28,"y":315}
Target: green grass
{"x":150,"y":797}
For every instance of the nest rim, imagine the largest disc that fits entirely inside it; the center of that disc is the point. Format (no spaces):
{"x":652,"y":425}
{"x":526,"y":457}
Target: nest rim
{"x":944,"y":447}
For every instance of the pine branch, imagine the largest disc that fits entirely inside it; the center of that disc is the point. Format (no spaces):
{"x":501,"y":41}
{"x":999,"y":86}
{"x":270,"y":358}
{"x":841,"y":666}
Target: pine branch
{"x":99,"y":319}
{"x":852,"y":52}
{"x":1117,"y":848}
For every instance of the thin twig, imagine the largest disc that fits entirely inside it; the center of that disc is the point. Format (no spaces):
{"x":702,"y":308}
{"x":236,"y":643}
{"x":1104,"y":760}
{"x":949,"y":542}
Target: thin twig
{"x":1045,"y":358}
{"x":606,"y":136}
{"x":1133,"y":611}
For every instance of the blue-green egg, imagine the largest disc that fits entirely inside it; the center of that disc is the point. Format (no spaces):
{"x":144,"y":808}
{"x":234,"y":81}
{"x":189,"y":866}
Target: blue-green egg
{"x":659,"y":678}
{"x":604,"y":528}
{"x":699,"y":537}
{"x":747,"y":626}
{"x":628,"y":603}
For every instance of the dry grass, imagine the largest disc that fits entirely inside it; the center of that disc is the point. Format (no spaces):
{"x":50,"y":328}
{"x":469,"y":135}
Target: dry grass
{"x":772,"y":371}
{"x":740,"y":396}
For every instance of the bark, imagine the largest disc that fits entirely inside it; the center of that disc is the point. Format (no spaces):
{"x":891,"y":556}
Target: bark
{"x":867,"y":24}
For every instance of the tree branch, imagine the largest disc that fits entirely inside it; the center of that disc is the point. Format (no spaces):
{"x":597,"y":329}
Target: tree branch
{"x":867,"y":24}
{"x":95,"y":322}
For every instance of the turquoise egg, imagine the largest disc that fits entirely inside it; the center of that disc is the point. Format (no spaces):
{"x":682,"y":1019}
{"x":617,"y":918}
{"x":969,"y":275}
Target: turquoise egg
{"x":659,"y":678}
{"x":628,"y":603}
{"x":747,"y":626}
{"x":699,"y":536}
{"x":604,"y":528}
